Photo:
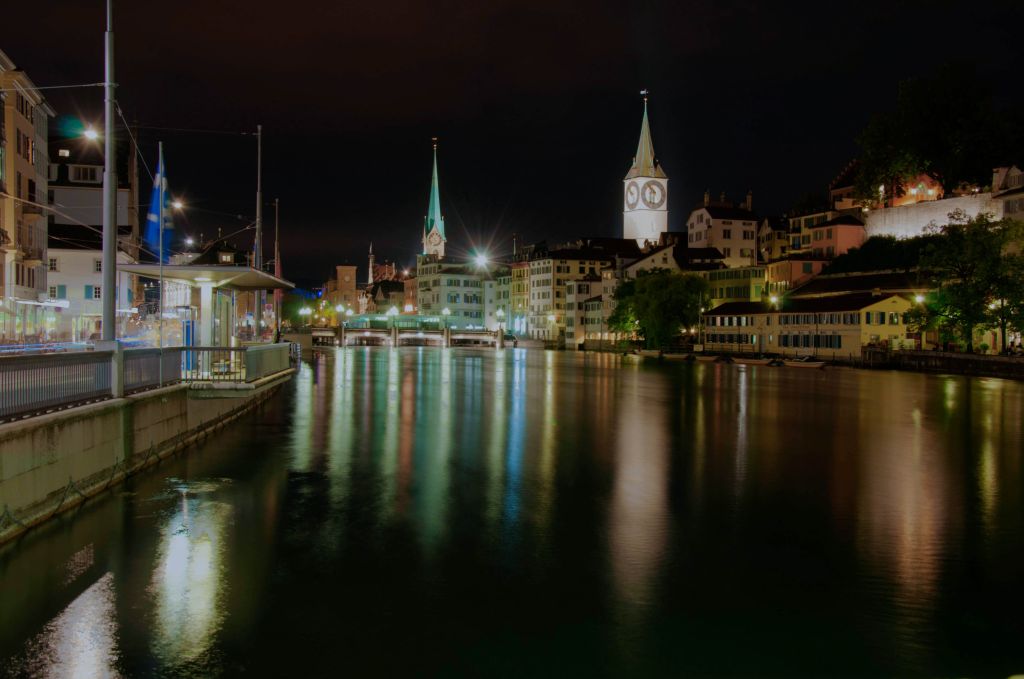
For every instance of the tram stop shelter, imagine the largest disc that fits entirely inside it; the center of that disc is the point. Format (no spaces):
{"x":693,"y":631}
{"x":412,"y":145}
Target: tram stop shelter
{"x":218,"y":286}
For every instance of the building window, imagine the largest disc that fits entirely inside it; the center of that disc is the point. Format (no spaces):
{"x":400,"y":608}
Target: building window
{"x":726,"y":233}
{"x":97,"y":266}
{"x":53,"y":292}
{"x":85,"y":173}
{"x":52,"y":265}
{"x":97,"y":292}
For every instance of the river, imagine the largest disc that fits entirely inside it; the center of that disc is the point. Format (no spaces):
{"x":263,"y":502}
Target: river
{"x":527,"y":513}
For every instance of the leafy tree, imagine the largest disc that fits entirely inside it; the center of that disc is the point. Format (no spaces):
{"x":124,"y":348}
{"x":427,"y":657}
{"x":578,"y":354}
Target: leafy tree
{"x":945,"y":125}
{"x":623,"y":319}
{"x":972,"y":266}
{"x":1006,"y":310}
{"x":658,"y":304}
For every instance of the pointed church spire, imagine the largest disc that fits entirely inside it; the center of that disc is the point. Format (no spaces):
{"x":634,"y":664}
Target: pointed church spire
{"x":434,"y":217}
{"x":644,"y":163}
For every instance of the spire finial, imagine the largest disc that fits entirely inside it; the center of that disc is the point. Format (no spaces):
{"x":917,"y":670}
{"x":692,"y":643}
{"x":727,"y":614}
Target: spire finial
{"x":643,"y":93}
{"x":434,"y":142}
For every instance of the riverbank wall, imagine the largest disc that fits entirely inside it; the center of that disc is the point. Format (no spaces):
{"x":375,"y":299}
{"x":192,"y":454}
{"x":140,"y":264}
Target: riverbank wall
{"x":53,"y":462}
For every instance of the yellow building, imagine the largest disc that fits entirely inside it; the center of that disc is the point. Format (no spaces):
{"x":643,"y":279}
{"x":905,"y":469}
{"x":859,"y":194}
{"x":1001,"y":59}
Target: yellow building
{"x":738,"y":284}
{"x":830,"y":327}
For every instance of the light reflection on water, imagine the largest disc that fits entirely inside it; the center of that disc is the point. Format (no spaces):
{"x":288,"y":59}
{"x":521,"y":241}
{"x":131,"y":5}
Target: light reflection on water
{"x":510,"y":512}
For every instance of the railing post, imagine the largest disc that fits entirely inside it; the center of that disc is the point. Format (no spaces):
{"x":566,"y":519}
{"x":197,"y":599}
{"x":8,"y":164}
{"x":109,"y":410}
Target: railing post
{"x":116,"y":366}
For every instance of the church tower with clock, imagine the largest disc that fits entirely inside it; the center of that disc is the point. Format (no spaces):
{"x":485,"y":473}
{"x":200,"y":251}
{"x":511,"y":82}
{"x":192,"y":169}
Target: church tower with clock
{"x":645,"y":192}
{"x":433,"y":225}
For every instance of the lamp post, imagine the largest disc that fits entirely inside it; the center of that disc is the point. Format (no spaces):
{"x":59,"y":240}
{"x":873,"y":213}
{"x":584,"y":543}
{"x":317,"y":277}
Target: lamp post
{"x":446,"y":312}
{"x":109,"y":264}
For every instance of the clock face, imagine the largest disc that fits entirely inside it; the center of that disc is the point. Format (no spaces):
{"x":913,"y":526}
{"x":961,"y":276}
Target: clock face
{"x":632,"y":195}
{"x":653,"y":194}
{"x":434,"y":238}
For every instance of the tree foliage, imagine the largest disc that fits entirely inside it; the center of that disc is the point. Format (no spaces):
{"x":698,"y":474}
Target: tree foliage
{"x":976,"y":277}
{"x":945,"y":125}
{"x":658,"y":304}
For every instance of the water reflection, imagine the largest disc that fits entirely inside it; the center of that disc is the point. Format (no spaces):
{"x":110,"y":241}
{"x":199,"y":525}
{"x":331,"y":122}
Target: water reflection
{"x":188,"y":581}
{"x":81,"y":642}
{"x":518,"y":513}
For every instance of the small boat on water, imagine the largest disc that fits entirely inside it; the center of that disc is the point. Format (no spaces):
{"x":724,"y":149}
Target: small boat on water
{"x":803,"y":362}
{"x":704,"y":358}
{"x":751,"y":361}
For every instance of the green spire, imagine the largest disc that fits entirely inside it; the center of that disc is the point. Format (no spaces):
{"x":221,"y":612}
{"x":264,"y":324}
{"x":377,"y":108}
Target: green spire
{"x":434,"y":217}
{"x":644,"y":163}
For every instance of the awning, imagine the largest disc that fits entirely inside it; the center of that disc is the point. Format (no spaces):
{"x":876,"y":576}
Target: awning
{"x":227,"y":277}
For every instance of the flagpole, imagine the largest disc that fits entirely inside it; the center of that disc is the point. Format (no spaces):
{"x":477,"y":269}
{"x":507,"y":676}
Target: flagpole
{"x":160,"y":216}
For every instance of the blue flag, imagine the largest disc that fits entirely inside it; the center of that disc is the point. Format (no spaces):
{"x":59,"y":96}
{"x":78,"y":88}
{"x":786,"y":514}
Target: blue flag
{"x":152,"y":233}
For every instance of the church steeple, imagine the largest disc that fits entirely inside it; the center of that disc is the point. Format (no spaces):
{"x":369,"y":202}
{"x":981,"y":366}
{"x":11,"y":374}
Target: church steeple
{"x":433,"y":226}
{"x":645,"y":164}
{"x":645,"y":192}
{"x":373,"y":265}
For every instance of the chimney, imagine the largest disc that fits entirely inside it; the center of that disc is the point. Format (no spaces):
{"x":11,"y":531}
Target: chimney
{"x":515,"y":244}
{"x":876,"y":292}
{"x":707,"y":197}
{"x":750,"y":200}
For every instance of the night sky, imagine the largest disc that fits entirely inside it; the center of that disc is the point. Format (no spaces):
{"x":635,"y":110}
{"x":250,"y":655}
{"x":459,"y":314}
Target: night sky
{"x":536,"y":105}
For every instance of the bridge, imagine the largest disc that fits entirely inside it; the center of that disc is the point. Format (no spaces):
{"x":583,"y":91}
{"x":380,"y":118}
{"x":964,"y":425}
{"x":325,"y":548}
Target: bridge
{"x":398,"y":330}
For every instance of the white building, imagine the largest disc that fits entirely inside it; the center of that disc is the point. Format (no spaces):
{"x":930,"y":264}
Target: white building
{"x":645,"y":192}
{"x":75,"y":278}
{"x":730,"y":229}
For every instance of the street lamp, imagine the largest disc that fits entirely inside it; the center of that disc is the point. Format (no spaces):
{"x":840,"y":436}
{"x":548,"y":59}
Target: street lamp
{"x":91,"y":134}
{"x":480,"y":259}
{"x":177,"y":204}
{"x":919,"y":298}
{"x":340,"y":308}
{"x":446,"y":312}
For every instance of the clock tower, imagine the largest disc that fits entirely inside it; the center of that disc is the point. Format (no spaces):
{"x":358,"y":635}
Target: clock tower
{"x":433,"y":226}
{"x":645,"y":192}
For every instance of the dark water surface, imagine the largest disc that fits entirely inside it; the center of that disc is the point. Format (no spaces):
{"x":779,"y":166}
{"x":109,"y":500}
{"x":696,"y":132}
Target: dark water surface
{"x":528,"y":513}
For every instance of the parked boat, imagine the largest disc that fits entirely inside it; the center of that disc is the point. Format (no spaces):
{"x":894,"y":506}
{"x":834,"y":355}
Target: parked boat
{"x":751,"y":361}
{"x":804,"y":362}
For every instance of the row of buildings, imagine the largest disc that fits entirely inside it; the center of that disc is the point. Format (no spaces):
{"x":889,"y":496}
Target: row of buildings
{"x":50,"y":222}
{"x":762,"y":271}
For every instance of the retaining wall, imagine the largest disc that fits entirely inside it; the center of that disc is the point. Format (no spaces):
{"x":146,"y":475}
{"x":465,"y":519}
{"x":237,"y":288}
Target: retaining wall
{"x":53,"y":462}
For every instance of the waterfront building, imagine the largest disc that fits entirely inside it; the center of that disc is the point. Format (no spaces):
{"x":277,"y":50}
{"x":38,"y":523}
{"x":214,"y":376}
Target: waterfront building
{"x":444,"y":285}
{"x":498,"y":298}
{"x":24,"y":176}
{"x":645,"y":192}
{"x":674,"y":255}
{"x":580,"y":294}
{"x":409,"y":301}
{"x":834,"y":326}
{"x":519,"y":297}
{"x":550,"y":271}
{"x":731,"y":229}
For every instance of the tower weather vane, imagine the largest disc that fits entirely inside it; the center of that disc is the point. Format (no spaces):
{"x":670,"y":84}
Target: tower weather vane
{"x":644,"y":92}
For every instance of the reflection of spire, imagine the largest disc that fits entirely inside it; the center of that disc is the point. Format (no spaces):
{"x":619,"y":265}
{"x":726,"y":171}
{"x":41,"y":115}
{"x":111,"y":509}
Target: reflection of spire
{"x":644,"y":163}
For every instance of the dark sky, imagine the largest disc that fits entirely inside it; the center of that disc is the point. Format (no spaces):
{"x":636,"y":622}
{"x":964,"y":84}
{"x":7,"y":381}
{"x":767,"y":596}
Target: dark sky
{"x":536,"y":104}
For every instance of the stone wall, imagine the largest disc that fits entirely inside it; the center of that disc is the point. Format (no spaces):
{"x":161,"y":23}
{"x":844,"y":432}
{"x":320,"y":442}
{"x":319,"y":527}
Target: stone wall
{"x":908,"y":221}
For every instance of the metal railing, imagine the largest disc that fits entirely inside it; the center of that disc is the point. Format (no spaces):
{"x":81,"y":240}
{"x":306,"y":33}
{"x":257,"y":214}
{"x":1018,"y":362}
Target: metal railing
{"x":151,"y":368}
{"x":37,"y":384}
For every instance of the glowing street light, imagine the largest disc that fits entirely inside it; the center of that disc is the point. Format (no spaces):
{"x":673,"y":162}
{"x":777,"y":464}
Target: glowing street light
{"x":91,"y":134}
{"x":480,"y":259}
{"x":189,"y":240}
{"x":393,"y":311}
{"x":774,"y":299}
{"x":340,"y":308}
{"x":177,"y":204}
{"x":919,"y":299}
{"x":348,"y":312}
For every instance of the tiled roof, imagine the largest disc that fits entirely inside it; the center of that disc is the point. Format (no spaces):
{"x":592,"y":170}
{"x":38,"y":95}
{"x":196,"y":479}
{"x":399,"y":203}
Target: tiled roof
{"x":837,"y":284}
{"x":850,"y":302}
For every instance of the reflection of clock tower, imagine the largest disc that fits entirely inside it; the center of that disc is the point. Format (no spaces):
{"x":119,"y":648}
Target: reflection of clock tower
{"x":433,"y":225}
{"x":645,"y":192}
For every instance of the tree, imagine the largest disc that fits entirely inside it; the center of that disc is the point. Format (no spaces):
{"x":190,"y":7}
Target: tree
{"x":945,"y":125}
{"x":1006,"y":310}
{"x":658,"y":304}
{"x":971,"y":267}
